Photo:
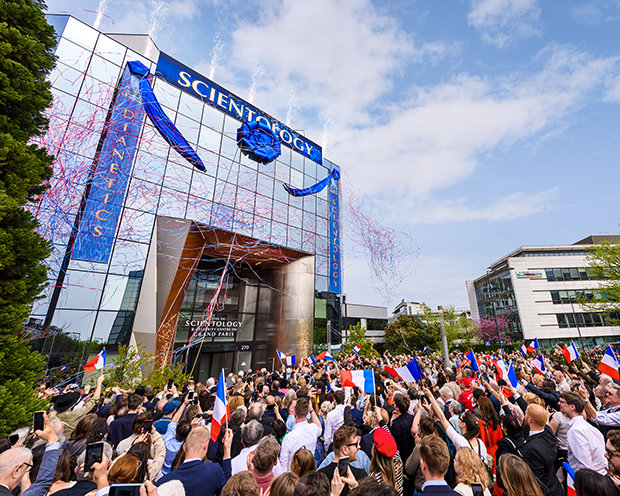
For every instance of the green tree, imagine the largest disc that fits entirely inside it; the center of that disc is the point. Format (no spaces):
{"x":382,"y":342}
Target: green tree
{"x":458,"y":327}
{"x":604,"y":261}
{"x":357,"y":335}
{"x":407,"y":334}
{"x":26,"y":57}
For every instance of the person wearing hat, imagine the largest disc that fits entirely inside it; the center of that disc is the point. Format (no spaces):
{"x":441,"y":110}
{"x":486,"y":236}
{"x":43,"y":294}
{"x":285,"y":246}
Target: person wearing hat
{"x":64,"y":403}
{"x":161,"y":425}
{"x":384,"y":466}
{"x":346,"y":444}
{"x":466,"y":398}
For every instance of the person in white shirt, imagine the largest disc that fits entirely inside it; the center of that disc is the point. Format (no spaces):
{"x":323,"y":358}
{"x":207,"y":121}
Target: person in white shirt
{"x":334,"y":420}
{"x":560,"y":381}
{"x":303,"y":435}
{"x":586,"y":445}
{"x":251,"y":434}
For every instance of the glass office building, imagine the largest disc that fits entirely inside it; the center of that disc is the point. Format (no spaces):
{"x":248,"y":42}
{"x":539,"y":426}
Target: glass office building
{"x":224,"y":259}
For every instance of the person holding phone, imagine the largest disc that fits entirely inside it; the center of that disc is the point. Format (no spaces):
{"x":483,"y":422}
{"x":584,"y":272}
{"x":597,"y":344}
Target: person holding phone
{"x":143,"y":431}
{"x":471,"y":474}
{"x":346,"y":445}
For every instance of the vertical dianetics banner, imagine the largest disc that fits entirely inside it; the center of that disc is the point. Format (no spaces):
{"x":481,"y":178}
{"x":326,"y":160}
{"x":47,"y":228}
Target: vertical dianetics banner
{"x":102,"y":212}
{"x":334,"y":238}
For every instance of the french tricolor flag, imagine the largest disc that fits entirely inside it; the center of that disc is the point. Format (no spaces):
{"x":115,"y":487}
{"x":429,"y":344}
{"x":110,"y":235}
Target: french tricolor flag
{"x":472,"y":360}
{"x":609,"y":364}
{"x":570,"y":480}
{"x":512,"y":376}
{"x":409,"y":373}
{"x":310,"y":360}
{"x":221,"y":412}
{"x":570,"y":353}
{"x":325,"y":356}
{"x":533,"y":346}
{"x":287,"y":360}
{"x":502,"y":368}
{"x":96,"y":363}
{"x":523,"y":350}
{"x":362,"y":379}
{"x":539,"y":365}
{"x":357,"y":348}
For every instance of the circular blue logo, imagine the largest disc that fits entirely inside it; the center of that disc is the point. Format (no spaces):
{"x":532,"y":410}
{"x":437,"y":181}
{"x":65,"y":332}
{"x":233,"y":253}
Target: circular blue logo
{"x":258,"y":142}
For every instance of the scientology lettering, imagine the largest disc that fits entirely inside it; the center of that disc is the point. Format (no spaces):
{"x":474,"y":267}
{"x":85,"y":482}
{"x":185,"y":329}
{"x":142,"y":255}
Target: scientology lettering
{"x":211,"y":93}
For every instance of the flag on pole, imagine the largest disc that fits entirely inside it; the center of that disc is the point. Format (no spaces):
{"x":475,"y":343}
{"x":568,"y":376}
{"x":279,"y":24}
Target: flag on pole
{"x":310,"y":360}
{"x":362,"y":379}
{"x":512,"y":376}
{"x":570,"y":353}
{"x":325,"y":356}
{"x":472,"y":360}
{"x":286,"y":360}
{"x":409,"y":373}
{"x":609,"y":364}
{"x":221,"y":412}
{"x":357,"y":348}
{"x":502,"y":368}
{"x":539,"y":364}
{"x":96,"y":363}
{"x":523,"y":350}
{"x":533,"y":346}
{"x":570,"y":480}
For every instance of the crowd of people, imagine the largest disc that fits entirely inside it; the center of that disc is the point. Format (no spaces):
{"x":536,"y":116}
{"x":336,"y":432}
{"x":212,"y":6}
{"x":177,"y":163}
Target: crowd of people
{"x":297,"y":431}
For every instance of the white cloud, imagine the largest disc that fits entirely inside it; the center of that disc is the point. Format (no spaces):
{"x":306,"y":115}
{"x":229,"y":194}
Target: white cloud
{"x":509,"y":207}
{"x":613,"y":91}
{"x":503,"y":21}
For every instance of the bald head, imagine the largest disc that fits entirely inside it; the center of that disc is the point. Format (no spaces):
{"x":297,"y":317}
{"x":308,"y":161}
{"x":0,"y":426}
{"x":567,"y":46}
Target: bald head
{"x":537,"y":416}
{"x":197,"y":443}
{"x":13,"y":466}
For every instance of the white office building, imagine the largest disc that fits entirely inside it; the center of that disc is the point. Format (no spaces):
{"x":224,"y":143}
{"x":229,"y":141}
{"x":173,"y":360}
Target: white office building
{"x":538,"y":289}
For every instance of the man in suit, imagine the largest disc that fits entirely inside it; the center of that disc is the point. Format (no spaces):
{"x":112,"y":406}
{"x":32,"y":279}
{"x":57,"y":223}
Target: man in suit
{"x":434,"y":462}
{"x":540,"y":450}
{"x":200,"y":478}
{"x":17,"y":461}
{"x":121,"y":428}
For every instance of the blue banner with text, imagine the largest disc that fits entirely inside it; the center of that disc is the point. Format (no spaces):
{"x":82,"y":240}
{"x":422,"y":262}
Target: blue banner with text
{"x":334,"y":238}
{"x":102,"y":212}
{"x":214,"y":95}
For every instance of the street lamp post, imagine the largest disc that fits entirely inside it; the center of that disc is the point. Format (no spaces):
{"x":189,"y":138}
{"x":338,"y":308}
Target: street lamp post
{"x":444,"y":339}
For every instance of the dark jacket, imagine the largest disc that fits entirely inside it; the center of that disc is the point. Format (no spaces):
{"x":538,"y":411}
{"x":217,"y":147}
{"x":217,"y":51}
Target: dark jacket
{"x":551,"y":399}
{"x":443,"y":490}
{"x":121,"y":428}
{"x":200,"y":479}
{"x":506,"y":445}
{"x":401,"y":430}
{"x":539,"y":452}
{"x":328,"y":470}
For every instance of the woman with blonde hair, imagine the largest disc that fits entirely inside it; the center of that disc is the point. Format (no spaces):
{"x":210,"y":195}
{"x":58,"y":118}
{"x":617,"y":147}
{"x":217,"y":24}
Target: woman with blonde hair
{"x":518,"y":477}
{"x":531,"y":398}
{"x":469,"y":471}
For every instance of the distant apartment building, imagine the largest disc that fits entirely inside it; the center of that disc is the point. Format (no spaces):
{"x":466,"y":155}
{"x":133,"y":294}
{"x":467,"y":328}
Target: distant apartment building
{"x":408,"y":308}
{"x":538,"y":289}
{"x":371,"y":317}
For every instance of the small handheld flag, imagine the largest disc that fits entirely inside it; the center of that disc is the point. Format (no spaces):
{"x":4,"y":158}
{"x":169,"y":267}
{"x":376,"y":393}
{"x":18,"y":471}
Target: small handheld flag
{"x":512,"y":376}
{"x":539,"y":365}
{"x":609,"y":364}
{"x":357,"y":348}
{"x":409,"y":373}
{"x":325,"y":356}
{"x":570,"y":480}
{"x":96,"y":363}
{"x":286,"y":360}
{"x":523,"y":350}
{"x":310,"y":360}
{"x":472,"y":360}
{"x":533,"y":346}
{"x":362,"y":379}
{"x":221,"y":412}
{"x":570,"y":353}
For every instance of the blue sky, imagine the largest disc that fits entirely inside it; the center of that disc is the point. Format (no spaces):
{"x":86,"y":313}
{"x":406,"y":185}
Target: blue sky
{"x":472,"y":126}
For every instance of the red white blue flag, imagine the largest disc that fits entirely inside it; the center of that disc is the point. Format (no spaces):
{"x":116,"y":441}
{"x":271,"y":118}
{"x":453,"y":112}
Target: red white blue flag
{"x":221,"y":412}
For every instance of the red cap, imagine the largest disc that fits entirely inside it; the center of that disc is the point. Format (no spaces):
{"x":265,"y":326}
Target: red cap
{"x":384,"y":442}
{"x":466,"y":380}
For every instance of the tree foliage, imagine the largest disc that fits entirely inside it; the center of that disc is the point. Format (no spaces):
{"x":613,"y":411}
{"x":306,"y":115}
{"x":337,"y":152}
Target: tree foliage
{"x":604,"y":261}
{"x":133,"y":366}
{"x":26,"y":57}
{"x":410,"y":333}
{"x":489,"y":328}
{"x":357,"y":335}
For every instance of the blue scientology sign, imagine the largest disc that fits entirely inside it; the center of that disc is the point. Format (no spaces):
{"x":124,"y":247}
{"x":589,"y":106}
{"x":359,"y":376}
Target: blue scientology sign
{"x":211,"y":93}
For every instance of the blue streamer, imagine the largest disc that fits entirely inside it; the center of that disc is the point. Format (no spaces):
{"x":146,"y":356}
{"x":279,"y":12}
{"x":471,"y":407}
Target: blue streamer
{"x":160,"y":120}
{"x":315,"y":188}
{"x":258,"y":142}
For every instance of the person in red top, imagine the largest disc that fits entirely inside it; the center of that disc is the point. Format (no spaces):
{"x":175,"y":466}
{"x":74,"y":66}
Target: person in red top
{"x":466,"y":397}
